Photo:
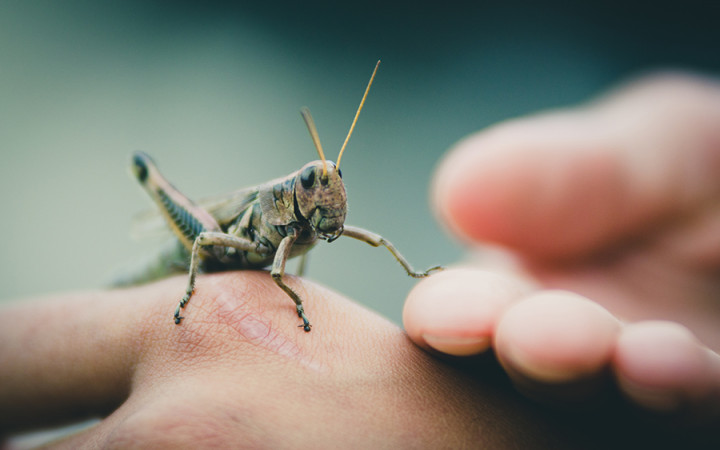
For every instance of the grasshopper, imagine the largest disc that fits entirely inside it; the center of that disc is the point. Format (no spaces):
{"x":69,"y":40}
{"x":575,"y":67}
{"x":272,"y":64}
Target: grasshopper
{"x":262,"y":225}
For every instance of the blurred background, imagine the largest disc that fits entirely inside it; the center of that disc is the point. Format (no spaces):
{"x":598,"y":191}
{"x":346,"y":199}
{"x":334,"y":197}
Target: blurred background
{"x":213,"y":90}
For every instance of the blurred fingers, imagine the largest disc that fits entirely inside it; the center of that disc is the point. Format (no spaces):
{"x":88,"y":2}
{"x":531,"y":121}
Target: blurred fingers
{"x":456,"y":311}
{"x":564,"y":184}
{"x":662,"y":367}
{"x":556,"y":345}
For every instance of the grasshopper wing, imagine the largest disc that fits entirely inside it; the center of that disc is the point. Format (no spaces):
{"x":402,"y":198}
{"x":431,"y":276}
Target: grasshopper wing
{"x":148,"y":224}
{"x":227,"y":207}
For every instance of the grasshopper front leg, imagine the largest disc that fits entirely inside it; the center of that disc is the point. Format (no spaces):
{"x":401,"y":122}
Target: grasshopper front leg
{"x":376,"y":240}
{"x":209,"y":238}
{"x":278,"y":271}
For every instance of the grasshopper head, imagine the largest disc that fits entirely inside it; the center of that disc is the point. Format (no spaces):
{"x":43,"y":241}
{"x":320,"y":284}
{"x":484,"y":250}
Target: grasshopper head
{"x":321,"y":198}
{"x":319,"y":190}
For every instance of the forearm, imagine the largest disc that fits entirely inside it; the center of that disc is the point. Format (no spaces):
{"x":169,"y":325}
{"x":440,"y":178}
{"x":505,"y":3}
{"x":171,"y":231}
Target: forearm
{"x":62,"y":358}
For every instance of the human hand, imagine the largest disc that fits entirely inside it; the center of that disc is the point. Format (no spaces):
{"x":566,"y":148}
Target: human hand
{"x":608,"y":217}
{"x":239,"y":373}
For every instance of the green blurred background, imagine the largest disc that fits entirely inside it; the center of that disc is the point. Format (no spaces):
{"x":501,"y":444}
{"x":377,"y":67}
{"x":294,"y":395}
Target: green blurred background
{"x":212,"y":91}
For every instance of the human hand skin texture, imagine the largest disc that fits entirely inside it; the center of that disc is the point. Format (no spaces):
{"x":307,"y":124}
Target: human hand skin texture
{"x":239,"y":372}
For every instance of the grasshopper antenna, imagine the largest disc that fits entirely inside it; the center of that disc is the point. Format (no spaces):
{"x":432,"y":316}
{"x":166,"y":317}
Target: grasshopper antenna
{"x":305,"y":112}
{"x":357,"y":114}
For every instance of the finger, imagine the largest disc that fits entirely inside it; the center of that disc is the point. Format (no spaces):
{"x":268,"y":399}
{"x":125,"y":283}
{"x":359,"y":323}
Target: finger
{"x":555,"y":342}
{"x":456,"y":311}
{"x":563,"y":184}
{"x":66,"y":358}
{"x":663,"y":368}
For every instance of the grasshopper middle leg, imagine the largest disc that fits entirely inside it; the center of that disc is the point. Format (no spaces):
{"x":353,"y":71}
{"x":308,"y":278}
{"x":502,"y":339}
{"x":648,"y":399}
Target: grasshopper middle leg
{"x":278,"y":271}
{"x":210,"y":238}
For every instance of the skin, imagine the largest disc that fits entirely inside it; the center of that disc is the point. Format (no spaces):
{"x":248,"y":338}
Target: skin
{"x":597,"y":238}
{"x":238,"y":372}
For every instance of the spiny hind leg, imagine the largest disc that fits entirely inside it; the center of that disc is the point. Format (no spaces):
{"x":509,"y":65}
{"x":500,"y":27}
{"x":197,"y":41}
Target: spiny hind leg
{"x":205,"y":239}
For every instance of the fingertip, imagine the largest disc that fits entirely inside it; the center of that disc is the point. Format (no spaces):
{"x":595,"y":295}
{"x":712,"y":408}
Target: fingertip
{"x":556,"y":337}
{"x":455,"y":311}
{"x":521,"y":183}
{"x":663,"y":368}
{"x":449,"y":178}
{"x":458,"y":192}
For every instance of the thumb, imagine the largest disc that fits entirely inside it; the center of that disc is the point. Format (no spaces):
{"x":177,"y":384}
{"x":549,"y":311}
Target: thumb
{"x":565,"y":184}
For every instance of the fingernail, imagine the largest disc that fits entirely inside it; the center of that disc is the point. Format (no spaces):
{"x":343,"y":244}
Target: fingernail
{"x":541,"y":370}
{"x":458,"y":346}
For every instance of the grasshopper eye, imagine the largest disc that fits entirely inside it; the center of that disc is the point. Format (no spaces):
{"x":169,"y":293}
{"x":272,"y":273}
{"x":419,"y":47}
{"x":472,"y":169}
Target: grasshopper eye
{"x":307,"y":178}
{"x":339,"y":173}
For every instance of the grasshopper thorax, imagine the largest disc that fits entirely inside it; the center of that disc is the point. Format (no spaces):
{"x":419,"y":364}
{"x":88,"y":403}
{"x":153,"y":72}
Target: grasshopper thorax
{"x":320,"y":198}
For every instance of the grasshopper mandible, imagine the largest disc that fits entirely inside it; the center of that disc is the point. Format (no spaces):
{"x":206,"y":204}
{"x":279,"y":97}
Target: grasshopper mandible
{"x":263,"y":225}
